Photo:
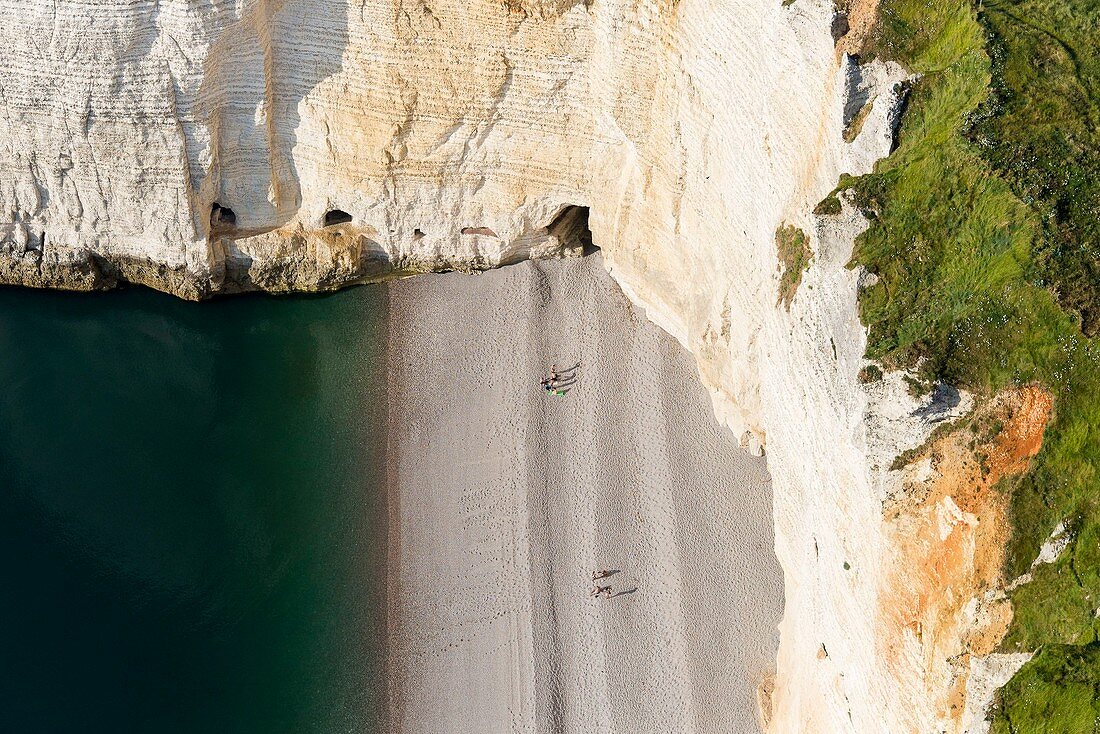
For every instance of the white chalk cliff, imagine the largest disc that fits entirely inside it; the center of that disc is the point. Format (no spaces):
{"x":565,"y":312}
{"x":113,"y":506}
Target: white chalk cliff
{"x":204,"y":146}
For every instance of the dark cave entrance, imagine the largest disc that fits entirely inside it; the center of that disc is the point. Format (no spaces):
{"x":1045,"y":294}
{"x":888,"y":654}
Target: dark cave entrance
{"x":337,"y":216}
{"x":570,"y":226}
{"x":222,"y":216}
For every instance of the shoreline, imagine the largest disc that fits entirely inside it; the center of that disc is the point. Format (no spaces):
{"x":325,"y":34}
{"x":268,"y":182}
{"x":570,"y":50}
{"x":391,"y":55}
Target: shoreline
{"x":391,"y":459}
{"x":501,"y":500}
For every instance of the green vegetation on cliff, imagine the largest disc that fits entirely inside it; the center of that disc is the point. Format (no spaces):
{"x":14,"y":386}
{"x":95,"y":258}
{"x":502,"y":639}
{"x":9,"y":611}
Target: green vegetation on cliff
{"x":1038,"y":128}
{"x":986,"y":239}
{"x":1058,"y":691}
{"x":794,"y":254}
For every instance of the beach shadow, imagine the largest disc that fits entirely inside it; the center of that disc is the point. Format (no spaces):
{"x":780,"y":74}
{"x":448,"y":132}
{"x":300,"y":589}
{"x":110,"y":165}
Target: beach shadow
{"x":568,"y":373}
{"x":623,"y":592}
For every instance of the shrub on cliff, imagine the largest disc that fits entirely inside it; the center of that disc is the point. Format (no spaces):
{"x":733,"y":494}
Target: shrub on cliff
{"x":794,"y":255}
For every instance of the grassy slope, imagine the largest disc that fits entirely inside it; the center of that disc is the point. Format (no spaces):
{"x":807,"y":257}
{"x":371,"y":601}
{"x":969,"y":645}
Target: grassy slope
{"x":1039,"y":129}
{"x":984,"y":219}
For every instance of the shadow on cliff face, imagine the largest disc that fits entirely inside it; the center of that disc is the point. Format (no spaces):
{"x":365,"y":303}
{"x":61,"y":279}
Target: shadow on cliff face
{"x":944,"y":398}
{"x":263,"y":64}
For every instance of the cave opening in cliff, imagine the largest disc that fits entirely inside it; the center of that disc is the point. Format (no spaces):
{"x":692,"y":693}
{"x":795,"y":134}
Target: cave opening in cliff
{"x":337,"y":216}
{"x":570,"y":227}
{"x":222,"y":215}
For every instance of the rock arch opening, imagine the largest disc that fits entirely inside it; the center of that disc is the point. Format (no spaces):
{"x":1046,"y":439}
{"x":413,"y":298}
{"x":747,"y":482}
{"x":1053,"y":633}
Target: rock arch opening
{"x":337,"y":216}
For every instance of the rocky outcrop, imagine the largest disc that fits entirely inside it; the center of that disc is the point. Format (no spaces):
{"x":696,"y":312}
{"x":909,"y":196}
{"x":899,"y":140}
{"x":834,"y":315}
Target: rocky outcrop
{"x":281,"y":145}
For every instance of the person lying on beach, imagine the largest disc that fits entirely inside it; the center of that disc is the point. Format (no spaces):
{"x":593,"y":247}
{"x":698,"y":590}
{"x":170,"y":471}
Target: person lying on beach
{"x":597,"y":575}
{"x":551,"y":388}
{"x":605,"y":590}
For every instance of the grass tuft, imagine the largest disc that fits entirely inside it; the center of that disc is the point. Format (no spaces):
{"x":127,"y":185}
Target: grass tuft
{"x":829,"y":206}
{"x":855,"y":126}
{"x":869,"y":373}
{"x":794,"y":255}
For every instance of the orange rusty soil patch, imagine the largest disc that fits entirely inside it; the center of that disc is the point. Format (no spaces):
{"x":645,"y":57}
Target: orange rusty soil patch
{"x":947,"y":535}
{"x":862,"y":15}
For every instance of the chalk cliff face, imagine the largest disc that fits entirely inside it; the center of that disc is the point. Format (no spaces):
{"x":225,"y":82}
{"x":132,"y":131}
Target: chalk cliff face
{"x":219,"y":146}
{"x":198,"y":147}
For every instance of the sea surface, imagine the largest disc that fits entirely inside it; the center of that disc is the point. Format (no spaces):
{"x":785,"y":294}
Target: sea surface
{"x":192,"y":530}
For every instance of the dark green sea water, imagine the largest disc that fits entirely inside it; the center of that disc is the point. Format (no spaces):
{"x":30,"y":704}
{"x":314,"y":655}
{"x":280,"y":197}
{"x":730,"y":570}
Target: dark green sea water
{"x":191,"y":517}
